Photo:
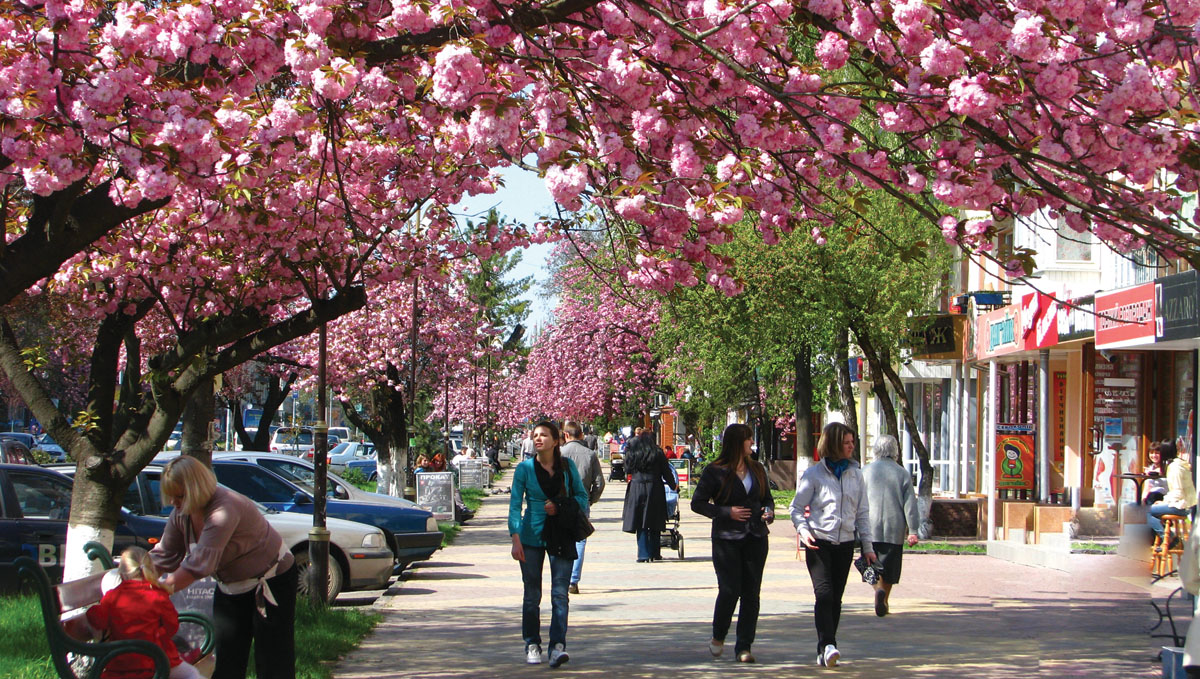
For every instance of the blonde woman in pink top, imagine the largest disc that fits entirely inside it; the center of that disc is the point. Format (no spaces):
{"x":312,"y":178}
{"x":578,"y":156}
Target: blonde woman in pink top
{"x":215,"y":531}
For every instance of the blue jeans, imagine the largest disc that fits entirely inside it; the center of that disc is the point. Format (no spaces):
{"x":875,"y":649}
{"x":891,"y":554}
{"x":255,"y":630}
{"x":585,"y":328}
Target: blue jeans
{"x":1154,"y":516}
{"x":648,"y":545}
{"x":577,"y":568}
{"x":560,"y":579}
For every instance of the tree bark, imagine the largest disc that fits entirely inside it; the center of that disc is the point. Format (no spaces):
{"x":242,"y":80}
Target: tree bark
{"x":925,"y":487}
{"x":878,"y":385}
{"x":196,"y":439}
{"x":841,"y":355}
{"x":802,"y":397}
{"x":277,"y":392}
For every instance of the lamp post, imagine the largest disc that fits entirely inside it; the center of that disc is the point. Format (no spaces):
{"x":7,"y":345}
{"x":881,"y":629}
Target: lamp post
{"x":318,"y":537}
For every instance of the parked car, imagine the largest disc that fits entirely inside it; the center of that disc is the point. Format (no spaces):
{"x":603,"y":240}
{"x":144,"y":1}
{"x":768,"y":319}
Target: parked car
{"x":412,"y":533}
{"x":302,"y":473}
{"x":343,"y":452}
{"x":359,"y":553}
{"x":35,"y":504}
{"x":367,"y":467}
{"x":15,"y":452}
{"x":24,"y":439}
{"x":49,"y":447}
{"x":292,"y":440}
{"x":343,"y":433}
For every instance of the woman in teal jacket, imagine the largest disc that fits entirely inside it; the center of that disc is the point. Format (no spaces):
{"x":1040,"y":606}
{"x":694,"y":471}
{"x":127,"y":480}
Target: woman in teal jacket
{"x":541,"y":485}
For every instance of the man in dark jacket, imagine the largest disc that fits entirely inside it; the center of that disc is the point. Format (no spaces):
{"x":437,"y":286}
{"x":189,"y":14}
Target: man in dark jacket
{"x":588,"y":464}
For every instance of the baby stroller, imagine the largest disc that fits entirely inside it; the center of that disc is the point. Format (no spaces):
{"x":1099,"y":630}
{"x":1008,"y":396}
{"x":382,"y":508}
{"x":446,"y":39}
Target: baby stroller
{"x":617,"y":466}
{"x":670,"y":537}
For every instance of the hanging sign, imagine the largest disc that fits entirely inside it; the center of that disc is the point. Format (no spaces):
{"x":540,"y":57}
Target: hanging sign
{"x":1125,"y":317}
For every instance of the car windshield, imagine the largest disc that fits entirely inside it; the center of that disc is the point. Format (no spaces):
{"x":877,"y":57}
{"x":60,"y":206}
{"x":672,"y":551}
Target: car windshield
{"x":339,"y":448}
{"x":294,"y":438}
{"x":46,"y":440}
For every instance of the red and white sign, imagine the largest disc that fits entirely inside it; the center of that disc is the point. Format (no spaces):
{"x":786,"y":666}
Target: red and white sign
{"x":1125,"y":318}
{"x":1039,"y":316}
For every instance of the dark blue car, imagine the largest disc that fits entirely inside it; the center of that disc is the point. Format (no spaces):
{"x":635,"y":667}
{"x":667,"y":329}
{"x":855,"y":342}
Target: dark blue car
{"x":35,"y":504}
{"x":411,"y":532}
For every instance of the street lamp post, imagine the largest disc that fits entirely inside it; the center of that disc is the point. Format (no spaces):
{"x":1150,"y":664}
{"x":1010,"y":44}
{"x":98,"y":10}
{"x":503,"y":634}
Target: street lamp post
{"x":318,"y":537}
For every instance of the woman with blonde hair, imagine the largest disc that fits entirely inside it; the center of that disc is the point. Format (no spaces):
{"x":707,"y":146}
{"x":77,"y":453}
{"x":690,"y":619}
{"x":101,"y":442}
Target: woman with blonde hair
{"x":213,"y":530}
{"x":829,"y":507}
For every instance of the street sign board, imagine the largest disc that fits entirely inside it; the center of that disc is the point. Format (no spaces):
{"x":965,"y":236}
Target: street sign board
{"x":435,"y":492}
{"x":472,"y":474}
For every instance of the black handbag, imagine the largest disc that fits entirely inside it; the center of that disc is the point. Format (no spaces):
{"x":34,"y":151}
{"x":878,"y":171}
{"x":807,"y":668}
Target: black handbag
{"x":583,"y":527}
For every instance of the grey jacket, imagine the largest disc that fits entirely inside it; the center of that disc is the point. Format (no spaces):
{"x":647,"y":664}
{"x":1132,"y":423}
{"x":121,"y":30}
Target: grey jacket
{"x":837,"y":507}
{"x":892,"y":500}
{"x":588,"y":464}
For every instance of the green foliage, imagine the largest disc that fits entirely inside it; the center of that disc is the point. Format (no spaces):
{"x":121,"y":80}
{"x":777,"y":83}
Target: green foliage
{"x":472,"y":498}
{"x":450,"y":530}
{"x":356,"y":478}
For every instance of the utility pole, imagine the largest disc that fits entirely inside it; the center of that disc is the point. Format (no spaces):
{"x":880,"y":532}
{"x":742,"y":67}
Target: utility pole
{"x":318,"y":537}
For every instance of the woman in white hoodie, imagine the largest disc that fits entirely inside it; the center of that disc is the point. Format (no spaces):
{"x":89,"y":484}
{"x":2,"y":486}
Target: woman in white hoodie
{"x":835,"y":496}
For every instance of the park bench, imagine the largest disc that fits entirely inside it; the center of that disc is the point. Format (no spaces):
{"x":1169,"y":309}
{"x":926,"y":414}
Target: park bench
{"x":73,"y":653}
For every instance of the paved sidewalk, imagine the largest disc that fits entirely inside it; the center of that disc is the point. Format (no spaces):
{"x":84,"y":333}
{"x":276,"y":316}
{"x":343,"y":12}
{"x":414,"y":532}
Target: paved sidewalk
{"x":971,"y":616}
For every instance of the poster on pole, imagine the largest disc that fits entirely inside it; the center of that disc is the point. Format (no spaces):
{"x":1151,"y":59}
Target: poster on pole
{"x":197,"y":598}
{"x":435,"y":492}
{"x":1014,"y":457}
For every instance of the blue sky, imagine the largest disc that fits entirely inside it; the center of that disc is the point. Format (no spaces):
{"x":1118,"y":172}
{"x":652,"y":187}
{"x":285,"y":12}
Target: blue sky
{"x":523,"y":198}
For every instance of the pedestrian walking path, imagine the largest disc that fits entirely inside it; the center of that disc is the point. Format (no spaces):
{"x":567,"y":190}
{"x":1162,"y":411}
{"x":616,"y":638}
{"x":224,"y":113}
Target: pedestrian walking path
{"x":971,"y":616}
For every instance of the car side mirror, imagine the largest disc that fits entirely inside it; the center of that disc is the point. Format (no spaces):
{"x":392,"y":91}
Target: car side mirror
{"x":301,"y":498}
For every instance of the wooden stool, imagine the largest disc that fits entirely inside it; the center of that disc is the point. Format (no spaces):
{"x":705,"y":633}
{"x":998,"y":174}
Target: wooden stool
{"x":1169,"y":545}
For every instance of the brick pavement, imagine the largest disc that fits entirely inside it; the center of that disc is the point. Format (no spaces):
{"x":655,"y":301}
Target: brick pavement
{"x":459,"y":614}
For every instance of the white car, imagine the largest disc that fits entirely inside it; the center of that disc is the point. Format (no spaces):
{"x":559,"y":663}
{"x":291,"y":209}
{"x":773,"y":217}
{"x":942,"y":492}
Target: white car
{"x":342,"y":453}
{"x":343,"y":433}
{"x":292,"y":440}
{"x":359,"y":553}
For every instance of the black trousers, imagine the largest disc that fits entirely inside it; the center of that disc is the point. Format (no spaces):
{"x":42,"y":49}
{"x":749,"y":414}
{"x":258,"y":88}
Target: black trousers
{"x":828,"y":567}
{"x":739,"y":566}
{"x":238,"y":623}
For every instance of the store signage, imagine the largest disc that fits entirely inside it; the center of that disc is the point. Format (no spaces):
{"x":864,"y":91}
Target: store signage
{"x":1014,"y":457}
{"x":998,"y":332}
{"x":938,"y":337}
{"x":1125,"y":317}
{"x":1039,"y":315}
{"x":1175,"y":307}
{"x":1077,"y":319}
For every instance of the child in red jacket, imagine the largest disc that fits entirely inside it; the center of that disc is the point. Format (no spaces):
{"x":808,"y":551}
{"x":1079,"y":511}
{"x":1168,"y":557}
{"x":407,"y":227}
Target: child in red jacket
{"x":139,"y":608}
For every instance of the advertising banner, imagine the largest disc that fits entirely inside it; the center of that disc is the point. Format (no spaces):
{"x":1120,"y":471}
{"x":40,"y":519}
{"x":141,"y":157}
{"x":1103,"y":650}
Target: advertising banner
{"x":998,"y":332}
{"x":1175,"y":307}
{"x":1014,"y":457}
{"x":1039,"y":321}
{"x":1125,"y":317}
{"x":1077,"y":320}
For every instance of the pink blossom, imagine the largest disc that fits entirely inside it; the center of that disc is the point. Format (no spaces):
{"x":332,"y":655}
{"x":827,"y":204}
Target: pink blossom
{"x":969,"y":96}
{"x":832,"y":51}
{"x":943,"y":58}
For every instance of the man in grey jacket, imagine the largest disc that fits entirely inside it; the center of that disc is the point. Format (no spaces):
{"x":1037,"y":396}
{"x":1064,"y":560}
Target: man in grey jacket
{"x":588,"y":464}
{"x":894,"y":515}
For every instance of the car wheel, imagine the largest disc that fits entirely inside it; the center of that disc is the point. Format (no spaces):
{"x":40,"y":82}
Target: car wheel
{"x":336,"y":579}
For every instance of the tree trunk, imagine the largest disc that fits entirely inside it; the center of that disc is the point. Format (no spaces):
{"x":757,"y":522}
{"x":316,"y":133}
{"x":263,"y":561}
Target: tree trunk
{"x":841,"y":355}
{"x":802,"y":397}
{"x":197,"y":424}
{"x":277,"y":393}
{"x":878,"y":385}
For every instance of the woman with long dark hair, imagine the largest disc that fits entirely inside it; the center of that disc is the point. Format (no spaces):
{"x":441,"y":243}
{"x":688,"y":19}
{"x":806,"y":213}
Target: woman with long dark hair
{"x":549,"y":487}
{"x":733,"y":492}
{"x":645,"y":511}
{"x":1181,"y":492}
{"x":830,"y":505}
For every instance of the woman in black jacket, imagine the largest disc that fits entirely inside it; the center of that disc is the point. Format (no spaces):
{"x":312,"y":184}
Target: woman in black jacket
{"x":733,"y":492}
{"x":645,"y":510}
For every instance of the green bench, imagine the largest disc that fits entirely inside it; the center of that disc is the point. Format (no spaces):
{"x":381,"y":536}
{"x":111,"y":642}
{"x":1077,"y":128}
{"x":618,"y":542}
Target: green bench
{"x":70,"y":654}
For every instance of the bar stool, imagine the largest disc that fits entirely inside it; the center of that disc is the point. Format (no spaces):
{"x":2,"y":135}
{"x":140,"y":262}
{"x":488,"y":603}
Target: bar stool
{"x":1168,"y":546}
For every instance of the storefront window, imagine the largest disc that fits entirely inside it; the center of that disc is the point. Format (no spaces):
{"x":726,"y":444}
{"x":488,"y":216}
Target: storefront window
{"x":1118,"y":424}
{"x":1185,"y":402}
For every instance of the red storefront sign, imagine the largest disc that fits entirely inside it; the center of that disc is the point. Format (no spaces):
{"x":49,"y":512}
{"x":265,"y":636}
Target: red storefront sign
{"x":1125,"y":317}
{"x":1039,"y":320}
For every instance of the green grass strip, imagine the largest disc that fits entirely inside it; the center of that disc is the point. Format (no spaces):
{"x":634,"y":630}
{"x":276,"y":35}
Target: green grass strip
{"x":322,"y":636}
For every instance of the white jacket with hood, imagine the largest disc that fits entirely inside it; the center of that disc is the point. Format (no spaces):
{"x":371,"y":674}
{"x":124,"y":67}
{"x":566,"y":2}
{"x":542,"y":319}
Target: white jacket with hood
{"x":837,"y":507}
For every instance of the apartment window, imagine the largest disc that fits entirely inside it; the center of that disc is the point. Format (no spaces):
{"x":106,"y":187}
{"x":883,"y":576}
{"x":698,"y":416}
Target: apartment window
{"x":1071,"y":246}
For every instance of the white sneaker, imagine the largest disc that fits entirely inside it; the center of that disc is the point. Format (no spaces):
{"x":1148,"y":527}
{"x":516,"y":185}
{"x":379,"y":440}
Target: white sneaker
{"x":558,"y":655}
{"x":533,"y":654}
{"x":831,"y":655}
